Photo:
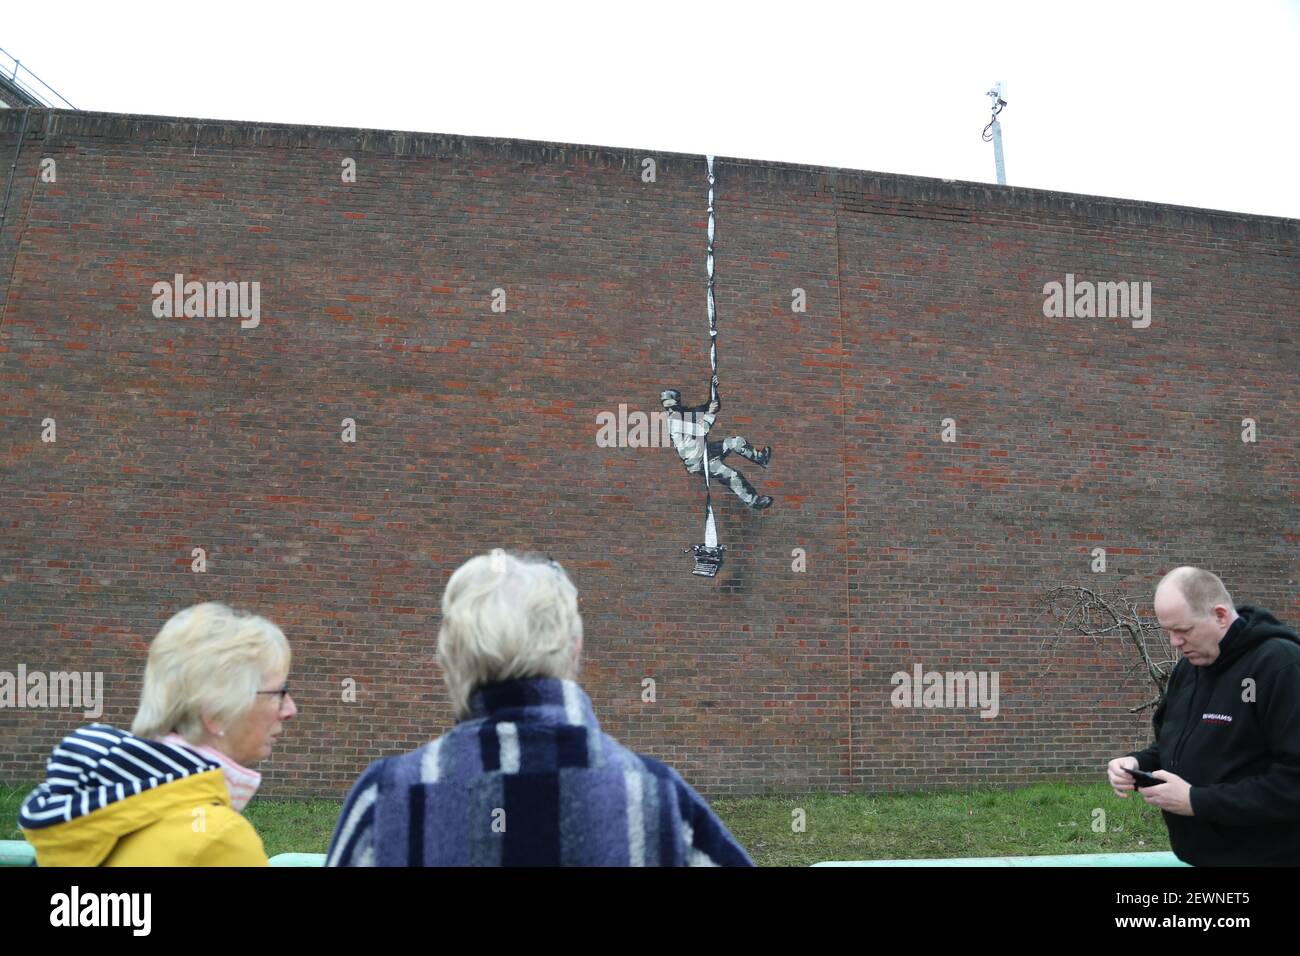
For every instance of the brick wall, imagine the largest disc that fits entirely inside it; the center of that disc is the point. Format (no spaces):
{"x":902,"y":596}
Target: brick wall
{"x":478,"y":428}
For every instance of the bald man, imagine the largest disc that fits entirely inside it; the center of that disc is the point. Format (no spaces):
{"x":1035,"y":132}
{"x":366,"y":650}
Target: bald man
{"x":1227,"y":732}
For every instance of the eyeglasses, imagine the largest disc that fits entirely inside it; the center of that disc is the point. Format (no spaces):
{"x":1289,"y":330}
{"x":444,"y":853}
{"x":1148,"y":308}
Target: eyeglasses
{"x":283,"y":692}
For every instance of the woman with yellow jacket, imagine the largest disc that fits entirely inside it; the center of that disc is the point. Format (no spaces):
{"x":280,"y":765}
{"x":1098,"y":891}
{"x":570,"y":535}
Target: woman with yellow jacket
{"x":170,"y":793}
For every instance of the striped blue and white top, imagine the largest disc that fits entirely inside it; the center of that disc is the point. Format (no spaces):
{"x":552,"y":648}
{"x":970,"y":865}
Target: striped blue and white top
{"x":99,"y":765}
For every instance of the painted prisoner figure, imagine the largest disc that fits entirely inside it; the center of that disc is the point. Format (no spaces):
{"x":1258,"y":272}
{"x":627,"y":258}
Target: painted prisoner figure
{"x":689,"y":428}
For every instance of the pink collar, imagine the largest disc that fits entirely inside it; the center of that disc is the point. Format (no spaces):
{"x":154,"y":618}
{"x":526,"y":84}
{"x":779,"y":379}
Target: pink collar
{"x":240,"y":781}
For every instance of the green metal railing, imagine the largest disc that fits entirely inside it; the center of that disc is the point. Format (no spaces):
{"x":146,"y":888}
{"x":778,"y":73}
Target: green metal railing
{"x":20,"y":853}
{"x":17,"y":853}
{"x":1077,"y":859}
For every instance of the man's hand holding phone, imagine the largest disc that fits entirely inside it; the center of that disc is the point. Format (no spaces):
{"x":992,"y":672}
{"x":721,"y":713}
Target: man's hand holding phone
{"x":1143,"y":779}
{"x":1118,"y":777}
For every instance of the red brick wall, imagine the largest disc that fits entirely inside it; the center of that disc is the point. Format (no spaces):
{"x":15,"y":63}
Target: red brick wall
{"x":477,"y":429}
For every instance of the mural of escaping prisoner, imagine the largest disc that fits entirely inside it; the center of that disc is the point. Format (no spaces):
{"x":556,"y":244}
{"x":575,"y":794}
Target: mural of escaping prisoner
{"x":689,"y":429}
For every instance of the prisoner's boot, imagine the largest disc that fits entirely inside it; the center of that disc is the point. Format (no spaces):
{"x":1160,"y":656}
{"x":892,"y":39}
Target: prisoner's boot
{"x":761,"y":502}
{"x":763,"y":457}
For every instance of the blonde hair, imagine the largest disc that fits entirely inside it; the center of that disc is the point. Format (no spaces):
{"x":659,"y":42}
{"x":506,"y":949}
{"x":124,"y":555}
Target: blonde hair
{"x":208,"y":660}
{"x":1201,"y":589}
{"x":506,"y":616}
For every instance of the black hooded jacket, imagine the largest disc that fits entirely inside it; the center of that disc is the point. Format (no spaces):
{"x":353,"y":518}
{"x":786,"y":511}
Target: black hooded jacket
{"x":1232,"y":730}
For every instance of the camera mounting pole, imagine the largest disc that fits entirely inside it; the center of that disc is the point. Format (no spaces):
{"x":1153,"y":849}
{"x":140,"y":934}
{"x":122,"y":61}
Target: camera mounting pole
{"x":994,"y":130}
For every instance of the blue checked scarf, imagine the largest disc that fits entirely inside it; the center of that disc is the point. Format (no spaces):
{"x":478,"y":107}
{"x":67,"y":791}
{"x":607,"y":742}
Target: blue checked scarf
{"x":528,"y":779}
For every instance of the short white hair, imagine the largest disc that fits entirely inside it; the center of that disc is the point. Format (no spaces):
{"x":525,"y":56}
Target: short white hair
{"x":208,"y":660}
{"x":1201,"y":589}
{"x":506,"y":616}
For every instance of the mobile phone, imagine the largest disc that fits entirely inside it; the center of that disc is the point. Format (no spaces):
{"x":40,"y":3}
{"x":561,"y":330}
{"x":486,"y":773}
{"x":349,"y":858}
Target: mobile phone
{"x":1143,"y":779}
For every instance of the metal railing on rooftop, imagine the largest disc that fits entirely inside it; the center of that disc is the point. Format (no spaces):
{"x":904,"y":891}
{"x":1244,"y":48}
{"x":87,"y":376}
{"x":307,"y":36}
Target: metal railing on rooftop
{"x":28,"y":85}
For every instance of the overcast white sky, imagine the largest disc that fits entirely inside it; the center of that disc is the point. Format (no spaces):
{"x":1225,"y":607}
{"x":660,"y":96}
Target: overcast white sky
{"x":1187,"y":102}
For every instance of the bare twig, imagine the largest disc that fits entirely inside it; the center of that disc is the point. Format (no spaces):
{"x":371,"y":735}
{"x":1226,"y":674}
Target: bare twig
{"x":1078,"y":610}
